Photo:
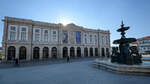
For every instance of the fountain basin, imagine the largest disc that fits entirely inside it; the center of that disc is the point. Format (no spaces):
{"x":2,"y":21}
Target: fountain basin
{"x":142,"y":69}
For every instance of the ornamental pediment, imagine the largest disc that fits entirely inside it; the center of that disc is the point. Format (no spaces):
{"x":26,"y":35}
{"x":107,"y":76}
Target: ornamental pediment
{"x":73,"y":27}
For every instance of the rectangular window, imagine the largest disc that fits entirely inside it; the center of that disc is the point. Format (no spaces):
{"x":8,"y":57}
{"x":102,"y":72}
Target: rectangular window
{"x":95,"y":39}
{"x":78,"y":37}
{"x":46,"y":35}
{"x":13,"y":28}
{"x":54,"y":35}
{"x":37,"y":34}
{"x":12,"y":35}
{"x":106,"y":40}
{"x":23,"y":33}
{"x":85,"y":38}
{"x":90,"y":38}
{"x":12,"y":32}
{"x":37,"y":37}
{"x":23,"y":29}
{"x":54,"y":32}
{"x":102,"y":40}
{"x":65,"y":37}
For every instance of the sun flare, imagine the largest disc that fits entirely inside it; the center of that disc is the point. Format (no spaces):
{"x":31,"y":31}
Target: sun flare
{"x":65,"y":21}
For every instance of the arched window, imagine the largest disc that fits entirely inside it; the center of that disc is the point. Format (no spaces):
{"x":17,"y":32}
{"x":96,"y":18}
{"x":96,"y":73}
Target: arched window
{"x":78,"y":52}
{"x":54,"y":52}
{"x":86,"y":52}
{"x":22,"y":53}
{"x":45,"y":52}
{"x":11,"y":53}
{"x":72,"y":55}
{"x":107,"y":52}
{"x":96,"y":51}
{"x":91,"y":51}
{"x":65,"y":52}
{"x":36,"y":53}
{"x":103,"y":52}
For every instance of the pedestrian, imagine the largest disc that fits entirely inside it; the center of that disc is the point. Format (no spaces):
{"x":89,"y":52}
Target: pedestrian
{"x":16,"y":62}
{"x":68,"y":59}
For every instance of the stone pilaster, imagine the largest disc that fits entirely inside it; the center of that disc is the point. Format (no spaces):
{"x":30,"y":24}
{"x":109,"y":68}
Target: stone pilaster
{"x":105,"y":52}
{"x":69,"y":51}
{"x":59,"y":52}
{"x":50,"y":52}
{"x":99,"y":51}
{"x":93,"y":51}
{"x":4,"y":52}
{"x":41,"y":52}
{"x":82,"y":51}
{"x":88,"y":51}
{"x":17,"y":51}
{"x":28,"y":53}
{"x":75,"y":50}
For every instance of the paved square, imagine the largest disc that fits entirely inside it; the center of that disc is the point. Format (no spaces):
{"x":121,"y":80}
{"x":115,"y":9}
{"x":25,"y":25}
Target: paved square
{"x":67,"y":73}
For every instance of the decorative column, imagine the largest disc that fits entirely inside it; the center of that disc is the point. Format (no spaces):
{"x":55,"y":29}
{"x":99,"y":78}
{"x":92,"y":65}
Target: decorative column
{"x":60,"y":35}
{"x":50,"y":52}
{"x":75,"y":50}
{"x":105,"y":52}
{"x":60,"y":52}
{"x":31,"y":58}
{"x":4,"y":52}
{"x":99,"y":51}
{"x":17,"y":52}
{"x":5,"y":37}
{"x":88,"y":51}
{"x":82,"y":37}
{"x":93,"y":51}
{"x":69,"y":37}
{"x":29,"y":54}
{"x":69,"y":51}
{"x":41,"y":53}
{"x":82,"y":51}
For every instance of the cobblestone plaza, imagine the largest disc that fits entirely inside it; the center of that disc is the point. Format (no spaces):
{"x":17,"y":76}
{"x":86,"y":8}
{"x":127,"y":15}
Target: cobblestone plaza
{"x":79,"y":72}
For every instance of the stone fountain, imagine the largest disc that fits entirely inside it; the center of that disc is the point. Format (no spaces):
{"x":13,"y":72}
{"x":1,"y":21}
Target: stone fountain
{"x":126,"y":54}
{"x":125,"y":58}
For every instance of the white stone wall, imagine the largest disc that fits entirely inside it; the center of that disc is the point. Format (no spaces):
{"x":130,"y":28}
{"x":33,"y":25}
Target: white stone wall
{"x":102,"y":37}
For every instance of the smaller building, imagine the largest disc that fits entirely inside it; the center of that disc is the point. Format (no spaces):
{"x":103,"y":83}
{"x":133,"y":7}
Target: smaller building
{"x":144,"y":45}
{"x":134,"y":44}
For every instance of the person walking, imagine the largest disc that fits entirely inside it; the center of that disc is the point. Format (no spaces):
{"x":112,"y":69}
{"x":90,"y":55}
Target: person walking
{"x":17,"y":62}
{"x":68,"y":59}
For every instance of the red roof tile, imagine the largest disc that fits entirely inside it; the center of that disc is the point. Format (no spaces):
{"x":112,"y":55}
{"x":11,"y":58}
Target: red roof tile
{"x":144,"y":38}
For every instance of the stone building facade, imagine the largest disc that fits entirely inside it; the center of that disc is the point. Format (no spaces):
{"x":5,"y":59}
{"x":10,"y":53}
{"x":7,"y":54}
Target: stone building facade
{"x":144,"y":45}
{"x":28,"y":40}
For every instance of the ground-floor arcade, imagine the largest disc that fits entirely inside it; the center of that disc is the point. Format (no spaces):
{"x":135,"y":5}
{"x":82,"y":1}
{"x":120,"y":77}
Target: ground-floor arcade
{"x":27,"y":52}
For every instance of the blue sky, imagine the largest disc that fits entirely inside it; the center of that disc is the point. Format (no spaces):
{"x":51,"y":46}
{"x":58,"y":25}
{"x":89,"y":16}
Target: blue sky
{"x":103,"y":14}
